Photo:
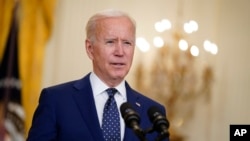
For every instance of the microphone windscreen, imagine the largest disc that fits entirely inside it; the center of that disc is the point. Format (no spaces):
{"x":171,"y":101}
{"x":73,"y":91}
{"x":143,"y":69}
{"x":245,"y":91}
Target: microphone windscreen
{"x":125,"y":107}
{"x":153,"y":113}
{"x":129,"y":115}
{"x":157,"y":117}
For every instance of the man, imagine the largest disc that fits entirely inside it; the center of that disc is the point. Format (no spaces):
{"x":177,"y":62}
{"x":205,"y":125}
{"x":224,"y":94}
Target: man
{"x":74,"y":111}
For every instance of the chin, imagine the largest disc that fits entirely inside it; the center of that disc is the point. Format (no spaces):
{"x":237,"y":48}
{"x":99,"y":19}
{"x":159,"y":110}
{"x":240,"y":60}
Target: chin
{"x":119,"y":76}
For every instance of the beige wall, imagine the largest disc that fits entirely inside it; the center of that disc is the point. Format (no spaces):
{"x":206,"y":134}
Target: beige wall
{"x":226,"y":22}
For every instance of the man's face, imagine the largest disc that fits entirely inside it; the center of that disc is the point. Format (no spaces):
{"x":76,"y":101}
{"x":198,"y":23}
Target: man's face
{"x":112,"y":51}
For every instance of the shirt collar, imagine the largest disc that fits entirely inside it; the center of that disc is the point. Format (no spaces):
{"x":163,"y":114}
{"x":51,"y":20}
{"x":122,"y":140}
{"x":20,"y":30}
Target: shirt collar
{"x":98,"y":86}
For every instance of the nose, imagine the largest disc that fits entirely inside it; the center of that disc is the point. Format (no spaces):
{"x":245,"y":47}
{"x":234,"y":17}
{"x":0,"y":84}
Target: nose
{"x":119,"y":50}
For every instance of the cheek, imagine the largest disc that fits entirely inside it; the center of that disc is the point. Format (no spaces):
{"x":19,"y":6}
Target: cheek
{"x":131,"y":55}
{"x":101,"y":56}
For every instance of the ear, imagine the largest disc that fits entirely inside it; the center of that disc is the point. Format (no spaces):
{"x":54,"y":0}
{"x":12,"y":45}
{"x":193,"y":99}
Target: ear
{"x":89,"y":48}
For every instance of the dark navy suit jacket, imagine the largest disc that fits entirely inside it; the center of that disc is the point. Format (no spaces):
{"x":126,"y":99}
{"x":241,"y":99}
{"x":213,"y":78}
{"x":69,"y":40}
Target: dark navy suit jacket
{"x":67,"y":112}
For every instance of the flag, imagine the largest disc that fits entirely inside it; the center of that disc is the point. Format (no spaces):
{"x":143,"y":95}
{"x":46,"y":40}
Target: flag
{"x":35,"y":20}
{"x":12,"y":112}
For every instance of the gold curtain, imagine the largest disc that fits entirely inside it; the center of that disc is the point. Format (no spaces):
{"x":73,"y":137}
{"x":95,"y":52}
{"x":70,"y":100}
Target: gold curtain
{"x":35,"y":24}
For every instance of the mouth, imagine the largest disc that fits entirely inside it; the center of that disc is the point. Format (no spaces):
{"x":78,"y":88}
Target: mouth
{"x":118,"y":64}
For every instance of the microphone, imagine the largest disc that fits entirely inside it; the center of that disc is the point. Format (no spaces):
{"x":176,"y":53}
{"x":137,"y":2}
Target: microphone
{"x":160,"y":123}
{"x":132,"y":119}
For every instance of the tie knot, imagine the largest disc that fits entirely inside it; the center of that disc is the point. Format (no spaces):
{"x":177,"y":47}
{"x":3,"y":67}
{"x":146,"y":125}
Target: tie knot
{"x":111,"y":91}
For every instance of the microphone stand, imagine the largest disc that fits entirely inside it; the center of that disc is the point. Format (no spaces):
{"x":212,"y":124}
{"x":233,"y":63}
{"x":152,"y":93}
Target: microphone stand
{"x":164,"y":134}
{"x":140,"y":134}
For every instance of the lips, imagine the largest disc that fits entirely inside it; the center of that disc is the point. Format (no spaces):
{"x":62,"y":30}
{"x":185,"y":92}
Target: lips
{"x":118,"y":64}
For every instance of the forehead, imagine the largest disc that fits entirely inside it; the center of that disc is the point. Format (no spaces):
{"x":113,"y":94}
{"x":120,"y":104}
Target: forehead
{"x":120,"y":19}
{"x":109,"y":24}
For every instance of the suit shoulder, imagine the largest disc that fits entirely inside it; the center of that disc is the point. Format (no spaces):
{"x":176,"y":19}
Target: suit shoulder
{"x":62,"y":91}
{"x":74,"y":84}
{"x":61,"y":86}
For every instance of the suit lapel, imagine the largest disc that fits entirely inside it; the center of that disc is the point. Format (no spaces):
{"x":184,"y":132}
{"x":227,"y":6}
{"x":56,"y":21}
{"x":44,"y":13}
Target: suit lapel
{"x":134,"y":100}
{"x":85,"y":101}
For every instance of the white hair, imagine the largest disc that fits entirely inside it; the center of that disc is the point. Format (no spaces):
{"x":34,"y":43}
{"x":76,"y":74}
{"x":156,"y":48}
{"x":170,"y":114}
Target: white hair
{"x":93,"y":21}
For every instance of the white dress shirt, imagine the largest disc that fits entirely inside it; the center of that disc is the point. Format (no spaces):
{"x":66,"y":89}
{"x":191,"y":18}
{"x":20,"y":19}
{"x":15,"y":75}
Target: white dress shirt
{"x":101,"y":96}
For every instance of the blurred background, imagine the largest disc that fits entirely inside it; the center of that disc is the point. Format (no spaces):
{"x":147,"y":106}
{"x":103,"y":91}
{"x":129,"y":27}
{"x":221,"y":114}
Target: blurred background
{"x":191,"y":56}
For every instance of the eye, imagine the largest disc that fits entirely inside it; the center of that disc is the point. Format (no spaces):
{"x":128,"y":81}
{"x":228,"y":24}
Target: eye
{"x":109,"y":42}
{"x":127,"y":43}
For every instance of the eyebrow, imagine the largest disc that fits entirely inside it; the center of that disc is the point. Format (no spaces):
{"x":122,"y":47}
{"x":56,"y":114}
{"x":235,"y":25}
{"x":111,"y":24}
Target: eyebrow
{"x":111,"y":38}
